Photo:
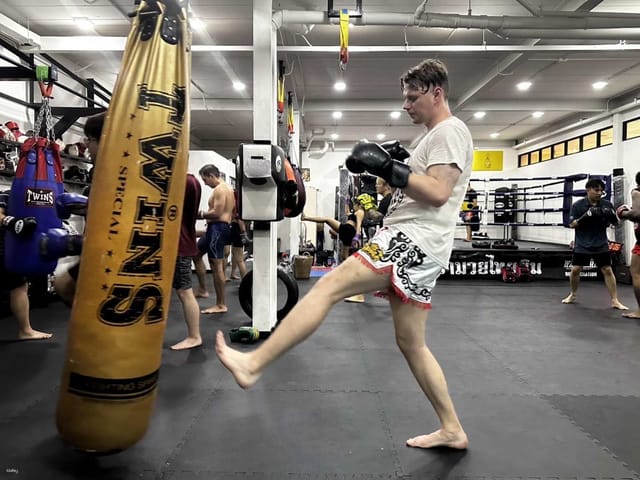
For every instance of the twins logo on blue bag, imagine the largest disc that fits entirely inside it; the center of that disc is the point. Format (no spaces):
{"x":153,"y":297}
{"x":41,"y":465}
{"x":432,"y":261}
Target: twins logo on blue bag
{"x":39,"y":197}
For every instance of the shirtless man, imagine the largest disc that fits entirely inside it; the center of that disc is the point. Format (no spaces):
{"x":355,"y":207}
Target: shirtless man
{"x":218,"y":217}
{"x":632,"y":213}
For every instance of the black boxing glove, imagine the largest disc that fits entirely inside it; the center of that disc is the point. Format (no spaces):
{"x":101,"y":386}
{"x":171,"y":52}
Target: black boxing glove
{"x":592,"y":212}
{"x":396,"y":150}
{"x":609,"y":214}
{"x":595,"y":211}
{"x":23,"y":227}
{"x":374,"y":159}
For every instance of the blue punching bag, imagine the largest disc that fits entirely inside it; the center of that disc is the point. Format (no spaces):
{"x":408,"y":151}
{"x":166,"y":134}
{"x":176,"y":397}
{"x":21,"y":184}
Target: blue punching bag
{"x":37,"y":183}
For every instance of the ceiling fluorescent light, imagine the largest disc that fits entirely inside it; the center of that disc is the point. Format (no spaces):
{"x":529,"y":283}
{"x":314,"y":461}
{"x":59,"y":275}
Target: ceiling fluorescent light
{"x":336,"y":115}
{"x":395,"y":115}
{"x":537,"y":114}
{"x":340,"y":86}
{"x":381,"y":136}
{"x":523,"y":86}
{"x":599,"y":85}
{"x":197,"y":24}
{"x":335,"y":136}
{"x":494,"y":135}
{"x":83,"y":23}
{"x":238,"y":85}
{"x":479,"y":115}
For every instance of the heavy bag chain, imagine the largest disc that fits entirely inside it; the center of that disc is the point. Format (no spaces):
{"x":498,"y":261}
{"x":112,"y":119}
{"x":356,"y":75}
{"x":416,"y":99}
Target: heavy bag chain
{"x":44,"y":114}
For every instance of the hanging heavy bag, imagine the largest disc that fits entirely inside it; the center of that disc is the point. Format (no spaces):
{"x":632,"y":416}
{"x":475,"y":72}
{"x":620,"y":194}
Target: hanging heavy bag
{"x":118,"y":319}
{"x":293,"y":190}
{"x":37,"y":183}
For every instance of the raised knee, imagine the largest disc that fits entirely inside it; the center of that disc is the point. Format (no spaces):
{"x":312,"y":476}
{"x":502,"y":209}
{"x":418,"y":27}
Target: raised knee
{"x":408,"y":345}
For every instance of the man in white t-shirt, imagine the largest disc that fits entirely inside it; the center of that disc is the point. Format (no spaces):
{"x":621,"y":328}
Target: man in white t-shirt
{"x":405,"y":257}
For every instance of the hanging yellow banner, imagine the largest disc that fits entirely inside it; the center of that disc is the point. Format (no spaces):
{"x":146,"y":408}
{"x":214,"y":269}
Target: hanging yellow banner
{"x":487,"y":160}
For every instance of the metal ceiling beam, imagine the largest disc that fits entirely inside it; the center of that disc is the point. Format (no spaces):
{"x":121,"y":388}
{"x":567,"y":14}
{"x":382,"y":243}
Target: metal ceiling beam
{"x":220,"y":104}
{"x":451,"y":20}
{"x":615,"y":34}
{"x":544,"y":105}
{"x":117,"y":44}
{"x":588,"y":5}
{"x":504,"y":64}
{"x":507,"y":62}
{"x":17,"y":32}
{"x":528,"y":7}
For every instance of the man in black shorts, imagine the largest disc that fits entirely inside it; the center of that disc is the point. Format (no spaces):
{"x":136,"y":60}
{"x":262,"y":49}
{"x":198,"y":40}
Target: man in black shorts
{"x":239,"y":238}
{"x":187,"y":249}
{"x":218,"y":216}
{"x":11,"y":283}
{"x":590,"y":217}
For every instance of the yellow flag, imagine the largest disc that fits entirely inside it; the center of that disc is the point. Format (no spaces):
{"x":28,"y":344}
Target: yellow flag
{"x":487,"y":160}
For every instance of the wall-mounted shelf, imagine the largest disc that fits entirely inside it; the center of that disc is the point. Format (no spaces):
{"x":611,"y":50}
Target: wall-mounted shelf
{"x":75,"y":158}
{"x":7,"y":145}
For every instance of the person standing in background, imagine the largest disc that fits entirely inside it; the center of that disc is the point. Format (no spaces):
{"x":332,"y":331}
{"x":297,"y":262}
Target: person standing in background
{"x":16,"y":285}
{"x":187,"y":250}
{"x":65,"y":283}
{"x":633,"y":215}
{"x":469,"y":212}
{"x":218,"y":216}
{"x":239,"y":238}
{"x":590,"y":217}
{"x":383,"y":188}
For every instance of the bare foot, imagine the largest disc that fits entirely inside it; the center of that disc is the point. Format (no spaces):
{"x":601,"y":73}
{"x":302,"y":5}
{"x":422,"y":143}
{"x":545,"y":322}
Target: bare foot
{"x":187,"y":343}
{"x":468,"y":240}
{"x":215,"y":309}
{"x":235,"y":277}
{"x":200,"y":294}
{"x":235,"y":362}
{"x":632,"y":314}
{"x":571,"y":298}
{"x":439,"y":438}
{"x":618,"y":306}
{"x":32,"y":334}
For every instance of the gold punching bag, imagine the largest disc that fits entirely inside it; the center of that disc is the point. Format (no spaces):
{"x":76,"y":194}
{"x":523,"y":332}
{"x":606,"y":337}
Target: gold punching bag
{"x":118,"y":318}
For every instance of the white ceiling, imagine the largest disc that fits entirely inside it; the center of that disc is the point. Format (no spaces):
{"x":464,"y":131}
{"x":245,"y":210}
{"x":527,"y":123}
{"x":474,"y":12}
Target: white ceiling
{"x":484,"y":63}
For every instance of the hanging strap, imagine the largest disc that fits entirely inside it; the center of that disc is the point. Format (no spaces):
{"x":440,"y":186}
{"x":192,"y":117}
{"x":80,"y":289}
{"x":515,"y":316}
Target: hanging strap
{"x":344,"y":38}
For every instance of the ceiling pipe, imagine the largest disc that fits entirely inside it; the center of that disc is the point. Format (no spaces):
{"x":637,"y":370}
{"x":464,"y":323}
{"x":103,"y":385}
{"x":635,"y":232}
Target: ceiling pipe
{"x":449,"y":20}
{"x":599,"y":34}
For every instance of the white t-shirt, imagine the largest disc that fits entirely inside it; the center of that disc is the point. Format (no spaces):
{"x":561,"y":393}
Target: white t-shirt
{"x":432,"y":228}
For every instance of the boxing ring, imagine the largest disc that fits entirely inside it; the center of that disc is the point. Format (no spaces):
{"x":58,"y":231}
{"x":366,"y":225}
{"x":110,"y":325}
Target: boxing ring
{"x":524,"y":219}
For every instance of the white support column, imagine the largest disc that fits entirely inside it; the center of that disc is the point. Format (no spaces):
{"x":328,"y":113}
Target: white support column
{"x":624,"y":231}
{"x":264,"y":128}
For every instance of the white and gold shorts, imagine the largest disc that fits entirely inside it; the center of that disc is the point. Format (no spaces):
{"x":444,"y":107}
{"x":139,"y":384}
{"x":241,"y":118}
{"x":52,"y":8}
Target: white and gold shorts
{"x":412,"y":273}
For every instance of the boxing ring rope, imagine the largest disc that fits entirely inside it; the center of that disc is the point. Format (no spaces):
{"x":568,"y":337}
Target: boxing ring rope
{"x":576,"y":178}
{"x":515,"y":194}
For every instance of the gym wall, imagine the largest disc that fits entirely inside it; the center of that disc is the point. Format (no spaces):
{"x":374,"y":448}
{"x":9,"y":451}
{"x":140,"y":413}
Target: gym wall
{"x":597,"y":161}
